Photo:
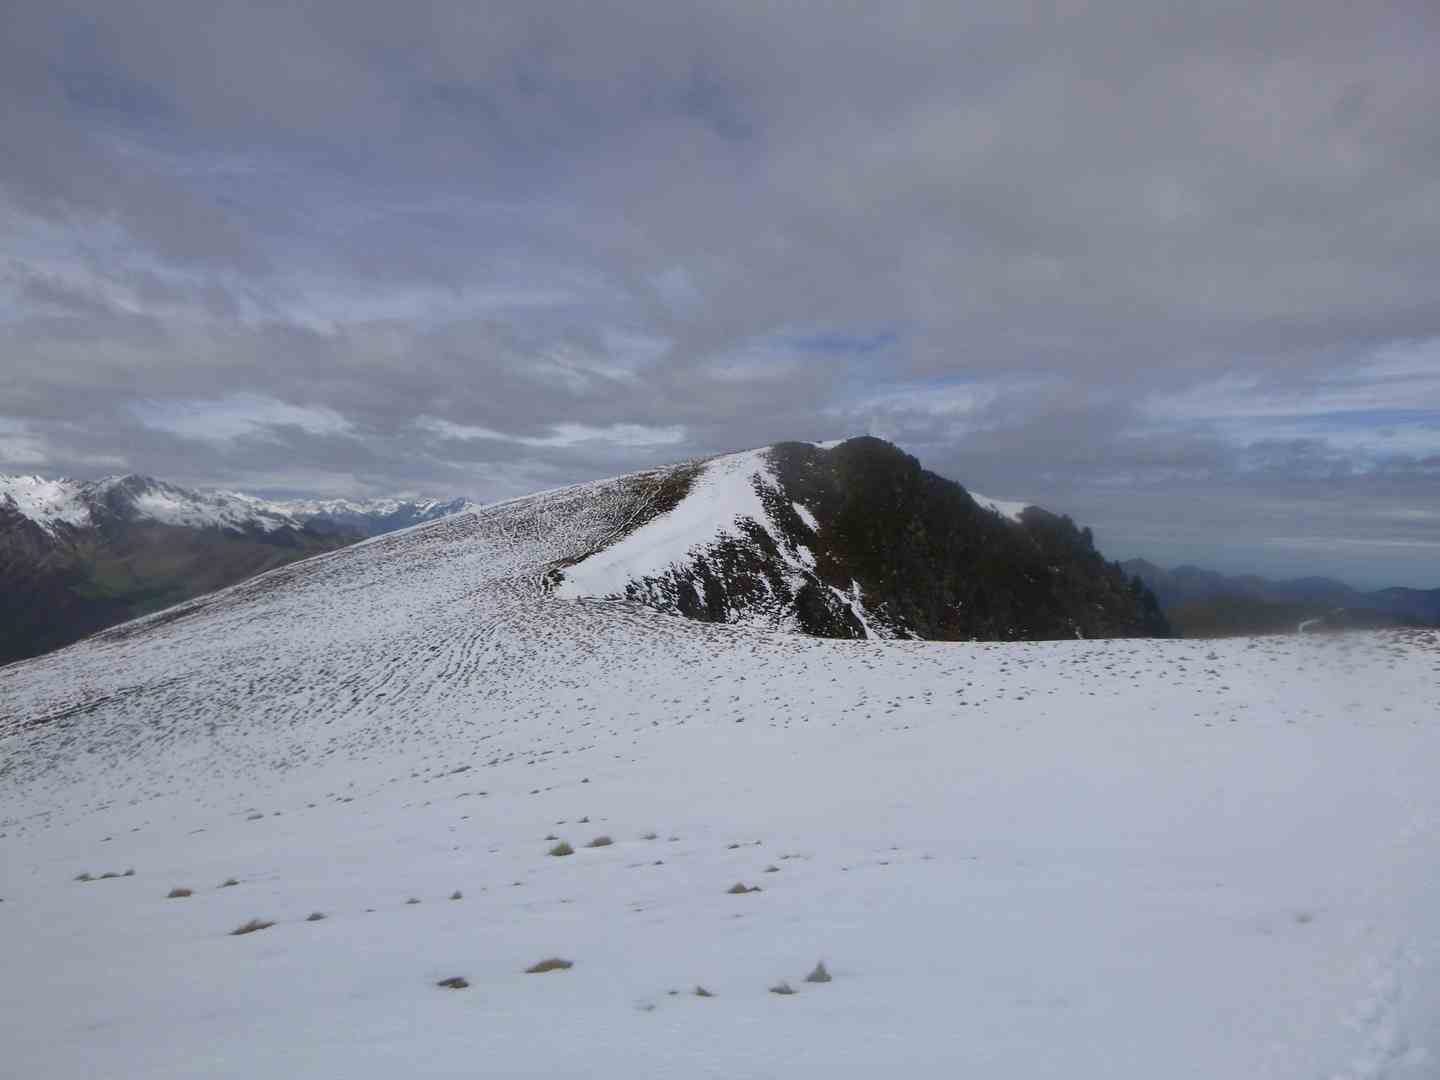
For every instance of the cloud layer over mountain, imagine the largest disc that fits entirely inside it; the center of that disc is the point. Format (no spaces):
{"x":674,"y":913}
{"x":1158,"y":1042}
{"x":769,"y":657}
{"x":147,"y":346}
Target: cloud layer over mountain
{"x":1169,"y":267}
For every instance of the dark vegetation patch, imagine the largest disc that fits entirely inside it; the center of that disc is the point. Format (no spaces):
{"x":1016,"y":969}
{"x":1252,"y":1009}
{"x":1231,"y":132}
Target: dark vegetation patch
{"x":554,"y":963}
{"x":250,"y":927}
{"x":819,"y":975}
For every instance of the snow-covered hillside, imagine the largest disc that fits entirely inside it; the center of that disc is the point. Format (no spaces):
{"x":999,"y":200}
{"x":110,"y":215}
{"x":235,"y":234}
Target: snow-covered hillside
{"x":1076,"y":859}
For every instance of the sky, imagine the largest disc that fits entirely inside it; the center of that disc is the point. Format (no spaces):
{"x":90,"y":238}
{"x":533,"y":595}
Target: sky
{"x":1171,"y":268}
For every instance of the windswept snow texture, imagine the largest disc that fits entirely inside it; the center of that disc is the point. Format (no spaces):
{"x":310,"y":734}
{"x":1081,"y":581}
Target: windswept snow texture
{"x":1082,"y":860}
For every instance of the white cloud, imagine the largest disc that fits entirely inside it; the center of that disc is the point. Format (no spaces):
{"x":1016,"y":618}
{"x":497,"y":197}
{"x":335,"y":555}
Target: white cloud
{"x":564,"y":435}
{"x":18,"y":447}
{"x":237,"y":416}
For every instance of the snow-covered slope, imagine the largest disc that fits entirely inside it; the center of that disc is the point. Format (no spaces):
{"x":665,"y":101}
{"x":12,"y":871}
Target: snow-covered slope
{"x":724,"y":503}
{"x":1083,"y":859}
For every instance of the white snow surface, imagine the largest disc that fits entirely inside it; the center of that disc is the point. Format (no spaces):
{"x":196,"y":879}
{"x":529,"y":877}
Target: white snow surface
{"x":43,"y":501}
{"x":1006,"y":508}
{"x":807,"y":516}
{"x":1125,"y":860}
{"x":722,"y":495}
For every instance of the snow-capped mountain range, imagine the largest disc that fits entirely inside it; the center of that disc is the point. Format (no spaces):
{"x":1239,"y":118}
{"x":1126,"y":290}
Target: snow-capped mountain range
{"x":57,"y":504}
{"x":325,"y":822}
{"x":77,"y":556}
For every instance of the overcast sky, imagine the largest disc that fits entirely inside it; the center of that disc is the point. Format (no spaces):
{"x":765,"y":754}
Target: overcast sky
{"x":1170,"y":267}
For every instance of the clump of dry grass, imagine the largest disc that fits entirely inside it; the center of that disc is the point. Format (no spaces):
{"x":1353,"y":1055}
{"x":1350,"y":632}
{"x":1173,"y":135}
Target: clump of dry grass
{"x":600,"y":841}
{"x":740,"y":889}
{"x":782,"y":988}
{"x":85,"y":876}
{"x":455,"y":982}
{"x":250,"y":927}
{"x":554,"y":963}
{"x":229,"y":881}
{"x":457,"y":895}
{"x":700,"y":991}
{"x":315,"y":916}
{"x":819,"y":975}
{"x":562,"y":848}
{"x":179,"y":893}
{"x":413,"y":900}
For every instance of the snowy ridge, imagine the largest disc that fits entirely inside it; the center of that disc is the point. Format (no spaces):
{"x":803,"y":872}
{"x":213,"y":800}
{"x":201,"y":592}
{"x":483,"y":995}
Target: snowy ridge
{"x":1006,"y":508}
{"x":721,"y":498}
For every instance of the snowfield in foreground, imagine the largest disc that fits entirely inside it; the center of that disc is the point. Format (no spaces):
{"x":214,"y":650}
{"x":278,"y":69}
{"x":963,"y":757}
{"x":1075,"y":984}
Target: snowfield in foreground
{"x":1083,"y":859}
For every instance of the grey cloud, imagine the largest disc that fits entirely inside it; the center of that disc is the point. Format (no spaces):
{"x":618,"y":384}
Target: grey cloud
{"x":471,"y":212}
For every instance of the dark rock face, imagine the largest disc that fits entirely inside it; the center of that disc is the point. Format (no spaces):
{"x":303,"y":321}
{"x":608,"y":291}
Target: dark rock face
{"x":901,"y":552}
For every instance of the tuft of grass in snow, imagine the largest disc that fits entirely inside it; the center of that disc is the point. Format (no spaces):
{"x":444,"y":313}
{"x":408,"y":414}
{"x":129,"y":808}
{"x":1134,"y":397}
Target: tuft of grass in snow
{"x":561,"y":848}
{"x":782,"y":988}
{"x":600,"y":841}
{"x":455,"y":982}
{"x":554,"y":963}
{"x":413,"y":900}
{"x":649,"y":836}
{"x":457,"y":895}
{"x":740,"y":889}
{"x":179,"y":893}
{"x":84,"y":877}
{"x":229,"y":881}
{"x":315,"y":916}
{"x":700,"y":991}
{"x":251,"y":926}
{"x":819,"y":975}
